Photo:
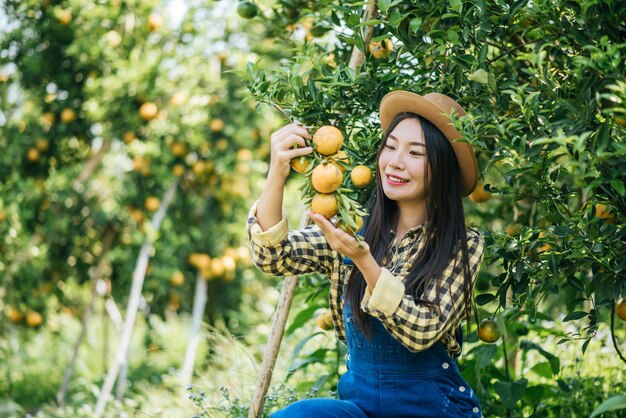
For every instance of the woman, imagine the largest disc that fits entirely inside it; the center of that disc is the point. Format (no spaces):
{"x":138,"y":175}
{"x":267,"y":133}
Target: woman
{"x":398,"y":300}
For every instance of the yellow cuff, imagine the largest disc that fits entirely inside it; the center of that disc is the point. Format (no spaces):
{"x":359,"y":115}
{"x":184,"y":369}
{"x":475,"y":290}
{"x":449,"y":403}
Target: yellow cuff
{"x":387,"y":294}
{"x":274,"y":235}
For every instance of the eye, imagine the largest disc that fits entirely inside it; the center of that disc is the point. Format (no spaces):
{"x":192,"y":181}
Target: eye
{"x":389,"y":147}
{"x":416,"y":153}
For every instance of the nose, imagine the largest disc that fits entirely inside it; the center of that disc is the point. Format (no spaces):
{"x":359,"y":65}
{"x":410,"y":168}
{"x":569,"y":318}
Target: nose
{"x":396,"y":161}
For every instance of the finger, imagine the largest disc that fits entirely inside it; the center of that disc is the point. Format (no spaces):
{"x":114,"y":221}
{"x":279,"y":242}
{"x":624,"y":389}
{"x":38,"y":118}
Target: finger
{"x":298,"y":152}
{"x":325,"y":225}
{"x":285,"y":131}
{"x":292,"y":140}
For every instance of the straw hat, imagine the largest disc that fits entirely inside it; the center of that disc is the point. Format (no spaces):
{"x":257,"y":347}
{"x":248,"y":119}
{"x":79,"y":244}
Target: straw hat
{"x":436,"y":108}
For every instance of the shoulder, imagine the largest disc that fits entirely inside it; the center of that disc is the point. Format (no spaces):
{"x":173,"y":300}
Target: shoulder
{"x":475,"y":243}
{"x":473,"y":234}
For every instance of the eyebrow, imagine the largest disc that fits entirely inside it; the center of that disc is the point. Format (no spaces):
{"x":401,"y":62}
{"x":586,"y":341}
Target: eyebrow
{"x":410,"y":143}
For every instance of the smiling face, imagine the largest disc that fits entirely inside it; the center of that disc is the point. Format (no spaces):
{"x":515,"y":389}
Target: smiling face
{"x":402,"y":163}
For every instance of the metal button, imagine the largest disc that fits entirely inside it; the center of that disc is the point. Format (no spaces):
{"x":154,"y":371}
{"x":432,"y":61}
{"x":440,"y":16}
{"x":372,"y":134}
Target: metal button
{"x":462,"y":388}
{"x":445,"y":365}
{"x":475,"y":409}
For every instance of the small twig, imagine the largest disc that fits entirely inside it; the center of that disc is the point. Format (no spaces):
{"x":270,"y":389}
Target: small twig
{"x":619,"y":353}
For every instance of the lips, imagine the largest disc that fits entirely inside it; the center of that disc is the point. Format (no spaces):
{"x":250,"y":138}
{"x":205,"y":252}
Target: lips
{"x":395,"y":180}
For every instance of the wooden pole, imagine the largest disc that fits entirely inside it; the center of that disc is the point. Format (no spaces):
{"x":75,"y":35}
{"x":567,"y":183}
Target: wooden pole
{"x":107,"y":242}
{"x":289,"y":285}
{"x":139,"y":275}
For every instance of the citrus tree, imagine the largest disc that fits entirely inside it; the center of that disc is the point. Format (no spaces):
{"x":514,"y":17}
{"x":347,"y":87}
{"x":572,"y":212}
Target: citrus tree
{"x":544,"y":88}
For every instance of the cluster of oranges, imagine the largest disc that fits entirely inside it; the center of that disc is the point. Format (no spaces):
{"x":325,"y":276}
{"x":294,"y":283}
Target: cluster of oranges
{"x":326,"y":171}
{"x":215,"y":267}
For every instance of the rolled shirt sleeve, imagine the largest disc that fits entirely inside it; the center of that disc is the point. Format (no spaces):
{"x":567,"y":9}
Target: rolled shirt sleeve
{"x":415,"y":325}
{"x":279,"y":251}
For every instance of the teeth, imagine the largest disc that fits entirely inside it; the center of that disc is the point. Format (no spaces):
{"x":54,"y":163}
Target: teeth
{"x":396,"y":179}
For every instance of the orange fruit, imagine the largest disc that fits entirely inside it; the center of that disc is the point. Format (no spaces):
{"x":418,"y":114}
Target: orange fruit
{"x":14,"y":314}
{"x":177,"y":99}
{"x":381,"y":49}
{"x":3,"y":216}
{"x":173,"y":302}
{"x":488,"y":331}
{"x":64,"y":16}
{"x":178,"y":170}
{"x":324,"y":321}
{"x":148,"y":111}
{"x":603,"y":212}
{"x":177,"y":278}
{"x":328,"y":140}
{"x":178,"y":149}
{"x":32,"y":155}
{"x":513,"y":229}
{"x":479,"y":194}
{"x":152,"y":203}
{"x":340,"y":157}
{"x":200,"y":261}
{"x":42,"y":144}
{"x":215,"y":268}
{"x":300,"y":164}
{"x":326,"y":178}
{"x":361,"y":176}
{"x":620,"y":309}
{"x":155,"y":22}
{"x":198,"y":167}
{"x":68,"y":115}
{"x":325,"y":204}
{"x":137,"y":215}
{"x":244,"y":154}
{"x":242,"y":254}
{"x":221,"y":144}
{"x":47,"y":119}
{"x":129,"y":137}
{"x":216,"y":125}
{"x":229,"y":263}
{"x":33,"y":319}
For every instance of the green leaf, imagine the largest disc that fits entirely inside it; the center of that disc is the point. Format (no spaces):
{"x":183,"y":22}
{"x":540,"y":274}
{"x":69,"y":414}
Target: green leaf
{"x":511,"y":392}
{"x":575,"y":315}
{"x":372,"y":22}
{"x":415,"y":24}
{"x":480,"y":76}
{"x":618,"y":185}
{"x":302,"y":343}
{"x":484,"y":299}
{"x":484,"y":354}
{"x":611,"y":404}
{"x":301,"y":318}
{"x":553,"y":360}
{"x":543,"y":369}
{"x":456,"y":5}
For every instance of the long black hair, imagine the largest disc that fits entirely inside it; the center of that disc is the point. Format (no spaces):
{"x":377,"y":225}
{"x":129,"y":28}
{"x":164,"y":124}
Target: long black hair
{"x":443,"y":232}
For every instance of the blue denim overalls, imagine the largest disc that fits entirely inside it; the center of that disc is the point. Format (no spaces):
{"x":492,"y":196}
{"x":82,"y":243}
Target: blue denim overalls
{"x":386,"y":380}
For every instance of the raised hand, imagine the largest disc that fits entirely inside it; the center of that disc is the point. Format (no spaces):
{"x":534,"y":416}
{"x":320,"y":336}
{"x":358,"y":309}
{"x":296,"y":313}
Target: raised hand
{"x":283,"y":148}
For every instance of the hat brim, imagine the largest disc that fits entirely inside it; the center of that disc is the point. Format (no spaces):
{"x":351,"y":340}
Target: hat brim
{"x":401,"y":101}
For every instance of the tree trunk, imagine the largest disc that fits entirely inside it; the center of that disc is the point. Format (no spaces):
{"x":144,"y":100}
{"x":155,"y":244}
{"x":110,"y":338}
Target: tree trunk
{"x":133,"y":303}
{"x":67,"y":376}
{"x":199,"y":304}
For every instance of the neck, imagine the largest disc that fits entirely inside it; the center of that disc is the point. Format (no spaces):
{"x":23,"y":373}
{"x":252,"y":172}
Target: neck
{"x":411,"y":214}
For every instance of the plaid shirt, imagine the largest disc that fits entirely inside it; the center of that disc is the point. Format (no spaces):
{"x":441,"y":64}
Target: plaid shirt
{"x":279,"y":251}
